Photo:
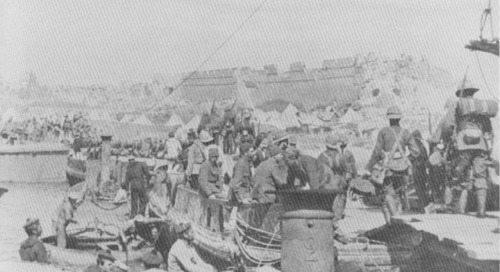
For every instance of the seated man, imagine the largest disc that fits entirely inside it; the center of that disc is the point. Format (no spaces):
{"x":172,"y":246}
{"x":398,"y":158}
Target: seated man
{"x":32,"y":249}
{"x":183,"y":256}
{"x":210,"y":179}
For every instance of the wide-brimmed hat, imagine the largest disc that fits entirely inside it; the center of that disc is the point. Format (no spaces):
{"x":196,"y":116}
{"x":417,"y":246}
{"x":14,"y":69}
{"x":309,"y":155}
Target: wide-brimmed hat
{"x":31,"y":222}
{"x":281,"y":136}
{"x":182,"y":227}
{"x":205,"y":137}
{"x":466,"y":88}
{"x":152,"y":257}
{"x":417,"y":134}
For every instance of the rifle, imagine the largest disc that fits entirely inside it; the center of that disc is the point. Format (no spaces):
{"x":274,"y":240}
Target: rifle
{"x":234,"y":104}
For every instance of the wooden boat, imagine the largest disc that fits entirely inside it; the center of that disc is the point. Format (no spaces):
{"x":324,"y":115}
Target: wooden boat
{"x":231,"y":234}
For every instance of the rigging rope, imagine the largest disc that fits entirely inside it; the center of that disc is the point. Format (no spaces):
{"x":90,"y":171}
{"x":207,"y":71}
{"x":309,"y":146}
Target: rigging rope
{"x":213,"y":53}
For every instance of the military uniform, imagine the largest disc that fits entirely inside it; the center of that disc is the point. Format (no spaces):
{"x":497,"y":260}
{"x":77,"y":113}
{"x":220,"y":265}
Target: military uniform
{"x":241,"y":183}
{"x":63,"y":218}
{"x":210,"y":179}
{"x":470,"y":171}
{"x":343,"y":167}
{"x":392,"y":184}
{"x":270,"y":175}
{"x":196,"y":157}
{"x":32,"y":249}
{"x":137,"y":176}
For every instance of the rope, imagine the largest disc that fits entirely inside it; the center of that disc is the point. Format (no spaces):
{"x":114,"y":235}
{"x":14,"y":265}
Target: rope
{"x":214,"y":52}
{"x":276,"y":228}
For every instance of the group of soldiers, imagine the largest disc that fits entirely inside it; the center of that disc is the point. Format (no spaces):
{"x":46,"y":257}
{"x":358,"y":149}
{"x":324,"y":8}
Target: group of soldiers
{"x":47,"y":129}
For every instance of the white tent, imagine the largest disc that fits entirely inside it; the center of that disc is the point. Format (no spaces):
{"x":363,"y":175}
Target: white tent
{"x":289,"y":116}
{"x":142,"y":120}
{"x":174,"y":121}
{"x":194,"y":123}
{"x":310,"y":119}
{"x":351,"y":117}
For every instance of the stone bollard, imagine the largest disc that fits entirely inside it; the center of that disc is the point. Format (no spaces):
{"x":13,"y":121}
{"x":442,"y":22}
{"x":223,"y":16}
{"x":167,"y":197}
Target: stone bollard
{"x":307,"y":231}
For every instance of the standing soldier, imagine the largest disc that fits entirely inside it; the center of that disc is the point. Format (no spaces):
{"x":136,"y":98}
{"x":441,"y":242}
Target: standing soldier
{"x":210,"y":178}
{"x":241,"y":183}
{"x":343,"y":166}
{"x":137,"y":176}
{"x":173,"y":148}
{"x":246,"y":137}
{"x":32,"y":249}
{"x":419,"y":170}
{"x":196,"y":157}
{"x":388,"y":158}
{"x":64,"y":217}
{"x":474,"y":136}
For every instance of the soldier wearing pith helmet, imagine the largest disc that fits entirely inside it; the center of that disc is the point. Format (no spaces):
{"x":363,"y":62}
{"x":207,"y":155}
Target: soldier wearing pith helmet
{"x":388,"y":157}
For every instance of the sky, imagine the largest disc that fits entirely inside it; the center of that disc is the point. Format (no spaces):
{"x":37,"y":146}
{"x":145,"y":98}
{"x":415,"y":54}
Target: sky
{"x":84,"y":42}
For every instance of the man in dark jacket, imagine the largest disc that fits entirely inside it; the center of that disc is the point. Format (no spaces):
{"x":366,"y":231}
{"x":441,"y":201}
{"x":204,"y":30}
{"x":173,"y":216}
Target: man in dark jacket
{"x":210,"y":178}
{"x":241,"y":183}
{"x":32,"y":249}
{"x":420,"y":176}
{"x":137,"y":177}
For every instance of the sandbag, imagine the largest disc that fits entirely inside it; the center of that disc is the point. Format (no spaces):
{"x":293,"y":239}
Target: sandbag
{"x":487,"y":108}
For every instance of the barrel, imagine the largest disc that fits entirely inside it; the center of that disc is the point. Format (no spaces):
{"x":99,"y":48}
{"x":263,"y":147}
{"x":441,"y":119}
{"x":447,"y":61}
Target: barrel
{"x":307,"y":231}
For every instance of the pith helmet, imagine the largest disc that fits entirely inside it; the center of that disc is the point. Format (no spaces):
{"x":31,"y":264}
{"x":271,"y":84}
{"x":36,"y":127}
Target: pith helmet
{"x":332,"y":141}
{"x":394,"y":113}
{"x":205,"y":137}
{"x":466,"y":88}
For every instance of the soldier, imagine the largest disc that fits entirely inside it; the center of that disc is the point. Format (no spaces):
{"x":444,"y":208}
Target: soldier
{"x":137,"y":177}
{"x":389,"y":154}
{"x":183,"y":256}
{"x":262,"y":152}
{"x":32,"y":249}
{"x":173,"y":148}
{"x":474,"y":137}
{"x":196,"y":157}
{"x":281,"y":140}
{"x":419,"y":171}
{"x":246,"y":123}
{"x":210,"y":178}
{"x":343,"y":166}
{"x":271,"y":174}
{"x":246,"y":137}
{"x":241,"y":183}
{"x":64,"y":217}
{"x":293,"y":141}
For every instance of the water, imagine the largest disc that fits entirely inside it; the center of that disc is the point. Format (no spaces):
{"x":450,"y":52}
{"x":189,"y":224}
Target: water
{"x":25,"y":200}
